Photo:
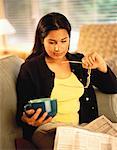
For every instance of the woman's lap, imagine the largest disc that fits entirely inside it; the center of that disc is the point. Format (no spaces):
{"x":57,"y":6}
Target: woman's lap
{"x":44,"y":140}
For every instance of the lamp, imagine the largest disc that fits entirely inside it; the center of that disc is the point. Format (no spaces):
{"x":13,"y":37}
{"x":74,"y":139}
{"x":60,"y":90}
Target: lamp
{"x":5,"y":29}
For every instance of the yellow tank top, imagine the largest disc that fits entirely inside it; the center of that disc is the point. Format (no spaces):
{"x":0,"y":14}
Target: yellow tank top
{"x":67,"y":91}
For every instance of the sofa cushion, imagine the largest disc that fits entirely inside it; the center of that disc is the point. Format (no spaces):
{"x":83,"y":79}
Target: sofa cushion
{"x":9,"y":68}
{"x":107,"y":105}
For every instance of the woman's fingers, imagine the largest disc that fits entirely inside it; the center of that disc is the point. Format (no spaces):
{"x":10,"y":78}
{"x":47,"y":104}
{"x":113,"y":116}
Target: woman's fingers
{"x":30,"y":111}
{"x":47,"y":120}
{"x":41,"y":119}
{"x":30,"y":120}
{"x":93,"y":56}
{"x":89,"y":60}
{"x":34,"y":121}
{"x":37,"y":113}
{"x":86,"y":62}
{"x":94,"y":61}
{"x":24,"y":117}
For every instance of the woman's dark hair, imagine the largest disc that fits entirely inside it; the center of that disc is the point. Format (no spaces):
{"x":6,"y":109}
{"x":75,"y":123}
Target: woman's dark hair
{"x":51,"y":21}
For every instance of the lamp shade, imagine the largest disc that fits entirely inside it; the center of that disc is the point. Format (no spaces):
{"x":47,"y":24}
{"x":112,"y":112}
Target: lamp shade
{"x":5,"y":27}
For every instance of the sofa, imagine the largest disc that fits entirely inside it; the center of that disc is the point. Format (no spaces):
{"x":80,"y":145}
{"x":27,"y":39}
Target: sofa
{"x":9,"y":131}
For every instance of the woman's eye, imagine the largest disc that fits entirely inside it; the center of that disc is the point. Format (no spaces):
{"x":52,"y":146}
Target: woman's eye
{"x":51,"y":42}
{"x":63,"y":41}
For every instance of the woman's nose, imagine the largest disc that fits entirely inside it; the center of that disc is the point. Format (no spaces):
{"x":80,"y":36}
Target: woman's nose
{"x":56,"y":48}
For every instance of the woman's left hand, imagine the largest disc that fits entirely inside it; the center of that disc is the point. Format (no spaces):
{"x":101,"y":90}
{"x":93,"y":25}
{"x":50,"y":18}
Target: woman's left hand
{"x":94,"y":61}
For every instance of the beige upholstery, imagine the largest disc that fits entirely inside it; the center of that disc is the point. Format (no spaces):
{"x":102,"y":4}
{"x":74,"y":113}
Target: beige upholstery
{"x":101,"y":38}
{"x":9,"y":68}
{"x":107,"y":105}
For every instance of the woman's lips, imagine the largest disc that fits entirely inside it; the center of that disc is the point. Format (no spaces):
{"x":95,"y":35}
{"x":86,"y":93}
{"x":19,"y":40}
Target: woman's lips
{"x":58,"y":54}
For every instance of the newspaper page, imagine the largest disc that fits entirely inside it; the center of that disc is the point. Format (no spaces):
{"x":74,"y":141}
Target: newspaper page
{"x":100,"y":134}
{"x":71,"y":138}
{"x":103,"y":125}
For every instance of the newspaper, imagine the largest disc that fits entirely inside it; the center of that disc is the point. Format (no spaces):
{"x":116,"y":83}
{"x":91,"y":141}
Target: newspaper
{"x":85,"y":138}
{"x":103,"y":125}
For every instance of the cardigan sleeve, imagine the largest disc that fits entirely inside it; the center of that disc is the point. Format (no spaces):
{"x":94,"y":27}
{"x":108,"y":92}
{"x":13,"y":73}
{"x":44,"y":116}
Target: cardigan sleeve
{"x":105,"y":82}
{"x":25,"y":90}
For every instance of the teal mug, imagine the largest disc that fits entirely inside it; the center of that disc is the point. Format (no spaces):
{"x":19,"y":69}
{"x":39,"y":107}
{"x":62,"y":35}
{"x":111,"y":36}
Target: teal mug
{"x":46,"y":104}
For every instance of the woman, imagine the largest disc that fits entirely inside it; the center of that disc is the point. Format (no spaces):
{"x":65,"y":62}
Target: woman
{"x":50,"y":72}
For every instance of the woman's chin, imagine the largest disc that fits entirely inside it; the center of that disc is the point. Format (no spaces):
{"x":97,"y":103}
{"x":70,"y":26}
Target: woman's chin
{"x":58,"y":57}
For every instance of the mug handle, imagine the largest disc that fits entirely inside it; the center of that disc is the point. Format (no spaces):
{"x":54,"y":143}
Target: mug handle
{"x":27,"y":107}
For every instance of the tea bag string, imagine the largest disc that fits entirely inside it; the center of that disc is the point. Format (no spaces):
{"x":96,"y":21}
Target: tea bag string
{"x":89,"y":72}
{"x":88,"y":78}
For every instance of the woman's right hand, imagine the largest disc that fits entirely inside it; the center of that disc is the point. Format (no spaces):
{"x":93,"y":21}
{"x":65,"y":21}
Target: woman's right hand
{"x":33,"y":120}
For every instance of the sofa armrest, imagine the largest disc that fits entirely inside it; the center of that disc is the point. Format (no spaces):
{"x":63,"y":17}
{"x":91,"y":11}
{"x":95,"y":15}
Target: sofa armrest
{"x":9,"y":69}
{"x":107,"y":105}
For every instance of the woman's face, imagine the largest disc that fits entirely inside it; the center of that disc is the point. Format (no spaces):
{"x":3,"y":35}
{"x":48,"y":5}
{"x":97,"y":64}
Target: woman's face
{"x":56,"y":43}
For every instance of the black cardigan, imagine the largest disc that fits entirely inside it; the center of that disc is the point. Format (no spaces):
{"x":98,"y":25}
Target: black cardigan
{"x":36,"y":80}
